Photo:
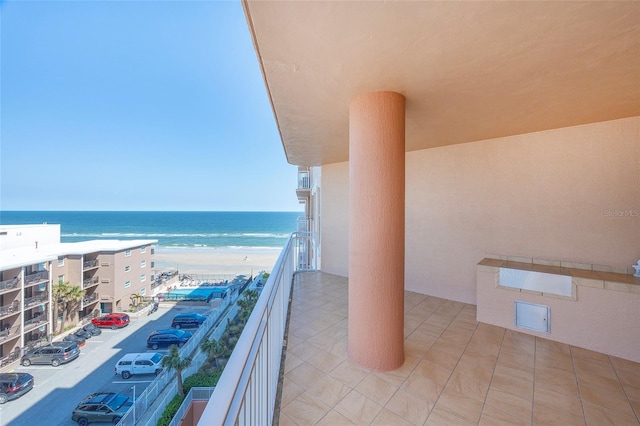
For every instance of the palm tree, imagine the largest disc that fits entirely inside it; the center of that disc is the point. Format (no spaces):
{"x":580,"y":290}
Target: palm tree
{"x":66,"y":299}
{"x":74,"y":297}
{"x":174,"y":362}
{"x":215,"y":349}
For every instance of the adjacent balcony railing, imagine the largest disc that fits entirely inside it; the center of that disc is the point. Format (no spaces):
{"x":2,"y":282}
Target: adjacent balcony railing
{"x":8,"y":285}
{"x":90,"y":282}
{"x":36,"y":300}
{"x":304,"y":180}
{"x":10,"y":309}
{"x":36,"y":278}
{"x":88,"y":264}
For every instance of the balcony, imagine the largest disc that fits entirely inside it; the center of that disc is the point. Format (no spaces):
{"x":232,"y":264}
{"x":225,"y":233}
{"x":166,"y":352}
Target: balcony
{"x":90,"y":282}
{"x":36,"y":278}
{"x":304,"y":185}
{"x":35,"y":322}
{"x":89,"y":264}
{"x":8,"y":285}
{"x":10,"y":309}
{"x":456,"y":370}
{"x":36,"y":300}
{"x":89,"y":299}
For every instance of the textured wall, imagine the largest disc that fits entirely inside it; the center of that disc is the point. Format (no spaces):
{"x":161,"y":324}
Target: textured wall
{"x":570,"y":194}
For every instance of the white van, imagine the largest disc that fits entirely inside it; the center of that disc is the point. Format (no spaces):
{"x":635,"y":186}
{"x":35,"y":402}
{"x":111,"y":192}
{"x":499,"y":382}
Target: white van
{"x":139,"y":363}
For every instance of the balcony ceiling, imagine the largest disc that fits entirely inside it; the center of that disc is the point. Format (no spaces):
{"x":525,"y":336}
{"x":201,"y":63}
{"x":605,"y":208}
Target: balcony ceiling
{"x":469,"y":70}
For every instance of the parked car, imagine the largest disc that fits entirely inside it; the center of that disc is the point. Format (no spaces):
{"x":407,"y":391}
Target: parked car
{"x":101,"y":407}
{"x":93,"y":329}
{"x":83,"y":333}
{"x":113,"y":321}
{"x":139,"y":363}
{"x":188,"y":320}
{"x":14,"y":385}
{"x":80,"y":341}
{"x":166,"y":338}
{"x":51,"y":354}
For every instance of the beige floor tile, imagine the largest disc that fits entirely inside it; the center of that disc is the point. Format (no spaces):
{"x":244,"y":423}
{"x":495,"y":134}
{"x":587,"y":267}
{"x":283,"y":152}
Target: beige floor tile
{"x":557,"y":380}
{"x":491,"y":416}
{"x":410,"y":407}
{"x":629,"y":376}
{"x":467,"y":386}
{"x":555,"y":401}
{"x":349,"y":373}
{"x":516,"y":360}
{"x":417,"y":348}
{"x":600,"y":416}
{"x":436,"y":373}
{"x":304,"y":350}
{"x":613,"y":399}
{"x":333,"y":418}
{"x":440,"y":358}
{"x":305,"y":410}
{"x":328,"y":390}
{"x":594,"y":367}
{"x":543,"y":416}
{"x":513,"y":380}
{"x":304,"y":375}
{"x":284,"y":420}
{"x":450,"y":347}
{"x":423,"y":387}
{"x":290,"y":391}
{"x":389,"y":418}
{"x":291,"y":362}
{"x":439,"y":417}
{"x":509,"y":403}
{"x":325,"y":361}
{"x":376,"y":389}
{"x":619,"y":363}
{"x":582,"y":353}
{"x":558,"y":361}
{"x":462,"y":405}
{"x":358,"y":408}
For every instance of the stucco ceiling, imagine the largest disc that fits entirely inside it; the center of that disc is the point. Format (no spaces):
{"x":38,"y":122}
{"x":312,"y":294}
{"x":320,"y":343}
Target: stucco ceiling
{"x":469,"y":70}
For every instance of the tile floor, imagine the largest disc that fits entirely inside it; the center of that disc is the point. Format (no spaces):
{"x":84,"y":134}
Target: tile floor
{"x":456,"y":372}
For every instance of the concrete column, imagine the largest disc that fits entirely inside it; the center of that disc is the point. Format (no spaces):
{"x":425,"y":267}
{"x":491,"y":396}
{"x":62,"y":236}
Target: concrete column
{"x":376,"y":230}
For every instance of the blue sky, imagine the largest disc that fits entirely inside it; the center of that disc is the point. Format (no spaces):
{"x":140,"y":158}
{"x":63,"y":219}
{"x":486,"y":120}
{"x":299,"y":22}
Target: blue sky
{"x":136,"y":105}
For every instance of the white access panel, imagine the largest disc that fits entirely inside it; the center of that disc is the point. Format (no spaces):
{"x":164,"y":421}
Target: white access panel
{"x":532,"y":316}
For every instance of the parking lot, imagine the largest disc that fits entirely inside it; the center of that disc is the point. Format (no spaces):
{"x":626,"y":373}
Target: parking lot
{"x":58,"y":390}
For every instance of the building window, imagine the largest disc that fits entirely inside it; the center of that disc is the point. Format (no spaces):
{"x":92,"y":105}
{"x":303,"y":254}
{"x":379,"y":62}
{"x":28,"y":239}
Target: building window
{"x":142,"y":291}
{"x":143,"y":264}
{"x":127,"y":253}
{"x":127,"y":284}
{"x":127,"y":268}
{"x":143,"y":249}
{"x":60,"y":278}
{"x":143,"y":278}
{"x":61,"y":261}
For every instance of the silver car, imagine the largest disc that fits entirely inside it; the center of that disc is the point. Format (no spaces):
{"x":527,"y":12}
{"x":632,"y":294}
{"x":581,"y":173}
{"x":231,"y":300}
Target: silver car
{"x":53,"y":354}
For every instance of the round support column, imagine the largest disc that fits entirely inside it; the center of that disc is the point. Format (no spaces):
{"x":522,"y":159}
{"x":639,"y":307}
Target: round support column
{"x":376,"y":230}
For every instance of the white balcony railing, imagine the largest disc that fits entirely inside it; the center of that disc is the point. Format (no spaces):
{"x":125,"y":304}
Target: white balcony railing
{"x":246,"y":391}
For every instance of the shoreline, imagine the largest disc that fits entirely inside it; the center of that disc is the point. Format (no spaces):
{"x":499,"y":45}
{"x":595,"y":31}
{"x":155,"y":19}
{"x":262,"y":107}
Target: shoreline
{"x":215,"y":261}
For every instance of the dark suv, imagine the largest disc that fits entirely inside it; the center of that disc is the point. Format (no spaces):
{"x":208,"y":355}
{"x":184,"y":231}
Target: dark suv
{"x":166,"y":338}
{"x":191,"y":320}
{"x":55,"y":354}
{"x":101,"y":407}
{"x":14,"y":385}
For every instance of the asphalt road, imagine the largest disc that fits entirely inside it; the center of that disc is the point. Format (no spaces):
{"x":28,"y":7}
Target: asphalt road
{"x":58,"y":390}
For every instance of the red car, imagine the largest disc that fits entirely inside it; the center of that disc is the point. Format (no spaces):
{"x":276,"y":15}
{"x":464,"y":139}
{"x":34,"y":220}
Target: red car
{"x":112,"y":321}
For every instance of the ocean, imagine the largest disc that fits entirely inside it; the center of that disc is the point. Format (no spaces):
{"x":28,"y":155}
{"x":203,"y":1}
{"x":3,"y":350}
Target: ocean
{"x":232,"y":230}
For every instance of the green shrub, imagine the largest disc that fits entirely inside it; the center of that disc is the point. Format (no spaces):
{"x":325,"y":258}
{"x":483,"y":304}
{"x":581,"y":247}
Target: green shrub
{"x":201,"y":380}
{"x":170,"y":410}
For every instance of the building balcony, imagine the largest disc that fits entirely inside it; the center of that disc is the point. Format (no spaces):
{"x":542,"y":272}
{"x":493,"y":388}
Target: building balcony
{"x":90,"y":264}
{"x":36,"y":278}
{"x":9,"y":285}
{"x":10,"y":309}
{"x":36,"y":300}
{"x":90,"y":282}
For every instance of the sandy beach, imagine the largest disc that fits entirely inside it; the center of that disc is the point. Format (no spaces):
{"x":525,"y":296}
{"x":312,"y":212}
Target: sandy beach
{"x":214,"y":261}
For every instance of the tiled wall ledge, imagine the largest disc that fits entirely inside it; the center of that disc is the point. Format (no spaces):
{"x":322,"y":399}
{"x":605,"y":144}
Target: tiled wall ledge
{"x":603,"y":316}
{"x":582,"y":276}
